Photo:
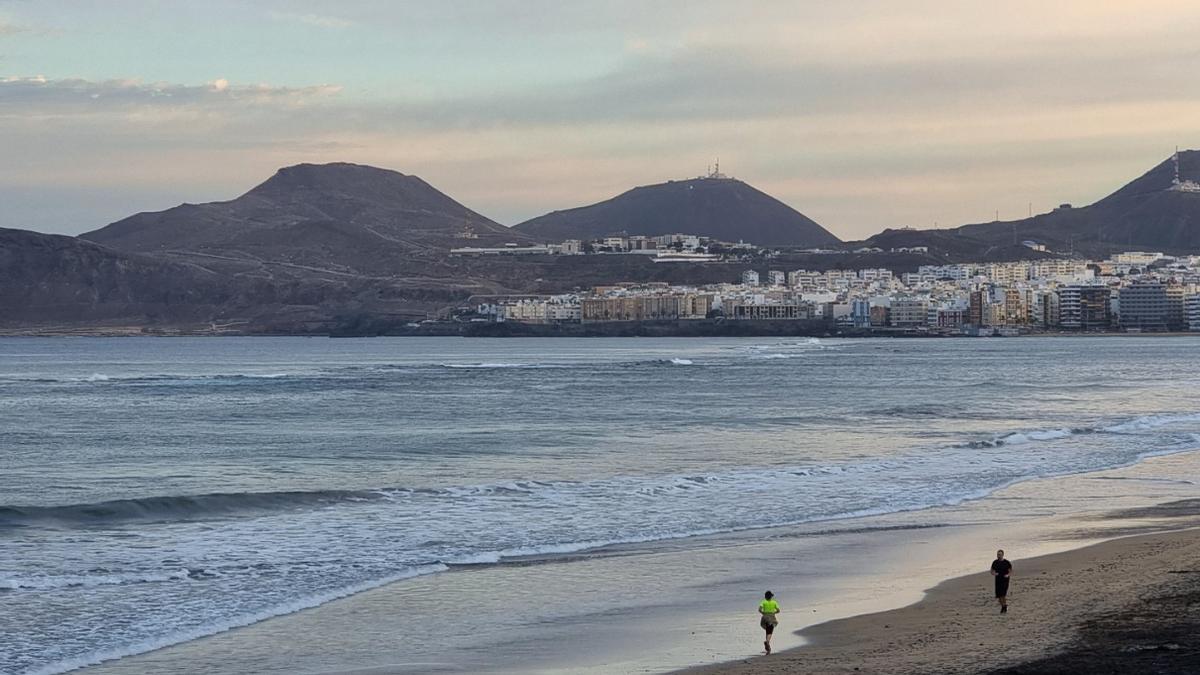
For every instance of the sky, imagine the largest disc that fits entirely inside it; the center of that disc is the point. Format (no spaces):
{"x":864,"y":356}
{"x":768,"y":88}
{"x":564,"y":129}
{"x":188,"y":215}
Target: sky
{"x":862,"y":114}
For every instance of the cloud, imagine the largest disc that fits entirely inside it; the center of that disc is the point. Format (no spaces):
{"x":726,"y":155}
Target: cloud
{"x":316,"y":20}
{"x":862,"y":114}
{"x":9,"y":28}
{"x":39,"y":95}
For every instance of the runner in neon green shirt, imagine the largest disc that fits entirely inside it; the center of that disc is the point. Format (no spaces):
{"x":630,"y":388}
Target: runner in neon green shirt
{"x":769,"y":609}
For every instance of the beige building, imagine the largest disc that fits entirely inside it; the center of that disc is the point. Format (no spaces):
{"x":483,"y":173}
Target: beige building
{"x":909,"y":311}
{"x":645,"y":308}
{"x":754,"y":311}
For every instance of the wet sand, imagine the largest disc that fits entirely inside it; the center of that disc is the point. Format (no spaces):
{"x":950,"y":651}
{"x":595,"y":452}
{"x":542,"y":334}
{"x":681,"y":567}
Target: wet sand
{"x":1131,"y":605}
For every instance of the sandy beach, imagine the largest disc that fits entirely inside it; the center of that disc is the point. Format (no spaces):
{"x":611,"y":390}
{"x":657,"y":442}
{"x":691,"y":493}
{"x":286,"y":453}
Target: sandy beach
{"x":840,"y":585}
{"x":1131,"y":605}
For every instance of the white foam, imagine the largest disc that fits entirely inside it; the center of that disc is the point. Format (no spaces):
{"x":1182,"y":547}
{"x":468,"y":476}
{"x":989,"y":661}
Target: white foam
{"x":486,"y":366}
{"x":1150,"y":422}
{"x":682,"y":362}
{"x":221,"y":626}
{"x":152,"y":377}
{"x":474,"y":559}
{"x":1021,"y":438}
{"x":69,"y":581}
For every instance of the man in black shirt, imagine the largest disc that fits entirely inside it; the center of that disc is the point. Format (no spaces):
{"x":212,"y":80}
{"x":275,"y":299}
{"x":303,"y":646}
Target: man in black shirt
{"x":1001,"y":569}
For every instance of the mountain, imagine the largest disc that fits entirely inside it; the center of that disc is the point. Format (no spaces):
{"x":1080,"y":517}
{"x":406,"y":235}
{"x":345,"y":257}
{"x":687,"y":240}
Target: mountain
{"x":722,"y":208}
{"x":327,"y":206}
{"x":1160,"y":211}
{"x":315,"y":242}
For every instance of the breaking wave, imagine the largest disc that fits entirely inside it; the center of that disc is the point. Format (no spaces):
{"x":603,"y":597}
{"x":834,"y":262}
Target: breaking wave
{"x":185,"y":507}
{"x":1133,"y":426}
{"x":96,"y":378}
{"x":101,"y":578}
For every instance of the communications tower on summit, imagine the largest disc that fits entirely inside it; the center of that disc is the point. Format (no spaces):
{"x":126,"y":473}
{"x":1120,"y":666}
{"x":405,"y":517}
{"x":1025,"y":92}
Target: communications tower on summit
{"x":1177,"y":183}
{"x":714,"y":172}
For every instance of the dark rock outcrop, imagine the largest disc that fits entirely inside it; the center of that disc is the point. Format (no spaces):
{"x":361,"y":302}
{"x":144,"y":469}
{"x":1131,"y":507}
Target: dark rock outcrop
{"x":47,"y":278}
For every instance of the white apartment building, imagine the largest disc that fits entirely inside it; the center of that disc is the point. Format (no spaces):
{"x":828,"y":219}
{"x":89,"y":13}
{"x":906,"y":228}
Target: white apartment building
{"x":953,"y":272}
{"x":840,"y":278}
{"x":750,"y":278}
{"x":1191,"y":311}
{"x":804,"y":279}
{"x":1007,"y":273}
{"x":776,"y":278}
{"x":1063,"y":270}
{"x":1136,"y":257}
{"x":526,"y":311}
{"x":563,"y":313}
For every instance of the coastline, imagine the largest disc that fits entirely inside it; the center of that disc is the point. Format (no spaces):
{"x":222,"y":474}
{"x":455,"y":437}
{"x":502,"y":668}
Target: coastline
{"x":844,"y":574}
{"x":681,"y":329}
{"x":1119,"y":606}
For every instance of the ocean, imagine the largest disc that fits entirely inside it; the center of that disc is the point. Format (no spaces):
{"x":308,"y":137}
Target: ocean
{"x":155,"y":491}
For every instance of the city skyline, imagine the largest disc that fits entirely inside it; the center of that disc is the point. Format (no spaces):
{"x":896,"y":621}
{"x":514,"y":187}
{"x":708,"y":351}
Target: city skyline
{"x":862,"y":117}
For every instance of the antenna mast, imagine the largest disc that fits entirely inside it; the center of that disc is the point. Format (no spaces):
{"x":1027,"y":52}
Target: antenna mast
{"x":714,"y":170}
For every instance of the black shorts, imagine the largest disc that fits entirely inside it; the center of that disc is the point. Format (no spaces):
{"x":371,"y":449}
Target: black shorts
{"x":767,"y":625}
{"x":1001,"y":587}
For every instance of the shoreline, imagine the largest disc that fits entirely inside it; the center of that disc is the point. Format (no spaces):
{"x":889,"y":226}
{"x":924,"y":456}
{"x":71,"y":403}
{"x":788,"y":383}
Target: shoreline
{"x":836,"y":573}
{"x":1059,"y":618}
{"x":593,"y":331}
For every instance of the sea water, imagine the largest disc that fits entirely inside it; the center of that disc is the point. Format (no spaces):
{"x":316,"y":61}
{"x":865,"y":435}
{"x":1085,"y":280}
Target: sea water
{"x":154,"y":491}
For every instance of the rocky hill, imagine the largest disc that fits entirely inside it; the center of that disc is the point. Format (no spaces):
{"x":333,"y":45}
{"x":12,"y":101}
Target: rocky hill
{"x":1159,"y":211}
{"x":48,"y":279}
{"x":723,"y":208}
{"x":57,"y":283}
{"x":328,"y":214}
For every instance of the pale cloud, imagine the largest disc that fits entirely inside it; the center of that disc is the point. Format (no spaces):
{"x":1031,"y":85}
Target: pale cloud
{"x":862,"y":114}
{"x":317,"y":20}
{"x":38,"y":95}
{"x":9,"y":28}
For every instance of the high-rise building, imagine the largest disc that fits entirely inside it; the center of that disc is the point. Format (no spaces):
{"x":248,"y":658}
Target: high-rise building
{"x":1191,"y":310}
{"x":1051,"y":309}
{"x":1015,"y":313}
{"x":976,"y":312}
{"x":1084,"y":307}
{"x":1144,"y":306}
{"x":860,"y":313}
{"x":750,"y":278}
{"x":909,"y":312}
{"x":1176,"y":319}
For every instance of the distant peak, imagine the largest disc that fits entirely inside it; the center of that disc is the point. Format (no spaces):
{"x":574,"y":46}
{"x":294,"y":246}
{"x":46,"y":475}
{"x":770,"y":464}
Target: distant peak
{"x":332,"y":168}
{"x":341,"y":177}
